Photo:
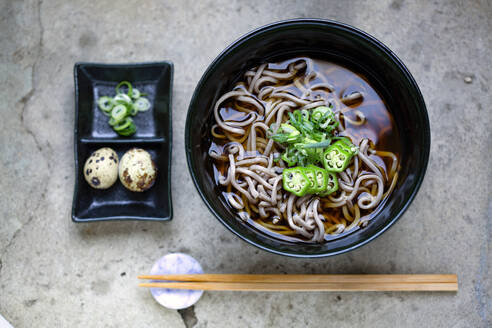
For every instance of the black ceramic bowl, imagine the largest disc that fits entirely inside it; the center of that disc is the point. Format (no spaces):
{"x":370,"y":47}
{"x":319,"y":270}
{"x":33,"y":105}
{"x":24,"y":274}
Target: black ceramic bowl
{"x":325,"y":40}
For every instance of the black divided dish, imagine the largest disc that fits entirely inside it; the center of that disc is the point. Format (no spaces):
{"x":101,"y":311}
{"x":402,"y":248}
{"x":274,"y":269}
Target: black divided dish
{"x":154,"y":134}
{"x":331,"y":41}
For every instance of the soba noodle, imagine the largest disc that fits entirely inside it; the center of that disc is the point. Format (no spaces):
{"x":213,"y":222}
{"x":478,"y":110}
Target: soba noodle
{"x":251,"y":168}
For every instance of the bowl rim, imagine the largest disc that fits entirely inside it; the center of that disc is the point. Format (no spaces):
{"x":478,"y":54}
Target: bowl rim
{"x":424,"y":155}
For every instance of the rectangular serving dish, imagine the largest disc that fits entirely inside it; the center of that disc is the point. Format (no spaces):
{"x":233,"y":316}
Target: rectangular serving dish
{"x":154,"y":134}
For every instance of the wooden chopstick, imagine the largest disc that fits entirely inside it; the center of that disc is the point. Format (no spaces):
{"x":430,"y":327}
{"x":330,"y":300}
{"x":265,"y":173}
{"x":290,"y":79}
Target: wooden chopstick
{"x":276,"y":282}
{"x":252,"y":286}
{"x":303,"y":278}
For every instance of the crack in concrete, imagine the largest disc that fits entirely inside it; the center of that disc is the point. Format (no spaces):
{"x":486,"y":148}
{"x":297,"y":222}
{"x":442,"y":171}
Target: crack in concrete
{"x":189,"y":317}
{"x":25,"y":224}
{"x":41,"y":27}
{"x":27,"y":97}
{"x":24,"y":102}
{"x":16,"y":233}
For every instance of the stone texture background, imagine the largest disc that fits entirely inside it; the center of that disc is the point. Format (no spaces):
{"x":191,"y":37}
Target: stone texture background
{"x":54,"y":273}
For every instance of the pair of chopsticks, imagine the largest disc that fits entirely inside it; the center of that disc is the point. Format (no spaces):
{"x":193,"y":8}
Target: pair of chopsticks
{"x":306,"y":282}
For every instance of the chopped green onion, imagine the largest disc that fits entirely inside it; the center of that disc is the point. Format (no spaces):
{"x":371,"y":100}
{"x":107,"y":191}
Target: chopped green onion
{"x":128,"y":132}
{"x":122,"y":98}
{"x":307,"y":134}
{"x":119,"y":113}
{"x":142,"y":104}
{"x":123,"y":125}
{"x":128,"y":85}
{"x":127,"y":101}
{"x":136,"y":94}
{"x":129,"y":129}
{"x":112,"y":122}
{"x":322,"y":144}
{"x":105,"y":104}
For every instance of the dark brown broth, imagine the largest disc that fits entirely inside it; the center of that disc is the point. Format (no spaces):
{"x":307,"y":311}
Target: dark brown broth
{"x":379,"y":128}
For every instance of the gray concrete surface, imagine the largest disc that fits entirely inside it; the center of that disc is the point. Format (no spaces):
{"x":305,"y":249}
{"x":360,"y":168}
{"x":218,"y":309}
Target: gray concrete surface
{"x":54,"y":273}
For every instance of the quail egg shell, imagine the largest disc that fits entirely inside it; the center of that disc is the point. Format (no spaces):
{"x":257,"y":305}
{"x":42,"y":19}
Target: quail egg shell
{"x":137,"y":171}
{"x":101,"y":168}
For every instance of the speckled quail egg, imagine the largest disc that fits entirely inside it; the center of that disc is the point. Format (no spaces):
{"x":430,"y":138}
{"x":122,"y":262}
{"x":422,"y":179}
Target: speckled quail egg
{"x":137,"y":171}
{"x":101,"y":168}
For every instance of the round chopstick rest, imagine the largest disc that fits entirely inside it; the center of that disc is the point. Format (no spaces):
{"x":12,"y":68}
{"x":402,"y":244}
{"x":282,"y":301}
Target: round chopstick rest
{"x":176,"y":263}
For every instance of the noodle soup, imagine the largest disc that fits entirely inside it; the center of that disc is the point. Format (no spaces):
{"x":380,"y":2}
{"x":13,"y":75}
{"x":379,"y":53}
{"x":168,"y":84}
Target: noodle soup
{"x":248,"y":164}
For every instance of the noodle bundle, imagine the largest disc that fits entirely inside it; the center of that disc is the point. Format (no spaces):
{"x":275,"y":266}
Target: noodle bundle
{"x":251,"y":168}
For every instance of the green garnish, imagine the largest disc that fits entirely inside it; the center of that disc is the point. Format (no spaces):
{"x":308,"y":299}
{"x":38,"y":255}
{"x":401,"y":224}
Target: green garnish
{"x":318,"y":178}
{"x":129,"y":129}
{"x":122,"y":126}
{"x":119,"y":113}
{"x":286,"y":134}
{"x":105,"y":104}
{"x":123,"y":99}
{"x":141,"y":104}
{"x":295,"y":181}
{"x":128,"y":85}
{"x":309,"y":180}
{"x":338,"y":156}
{"x":136,"y":94}
{"x":127,"y":101}
{"x":324,"y":117}
{"x":310,"y":142}
{"x":331,"y":184}
{"x":306,"y":135}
